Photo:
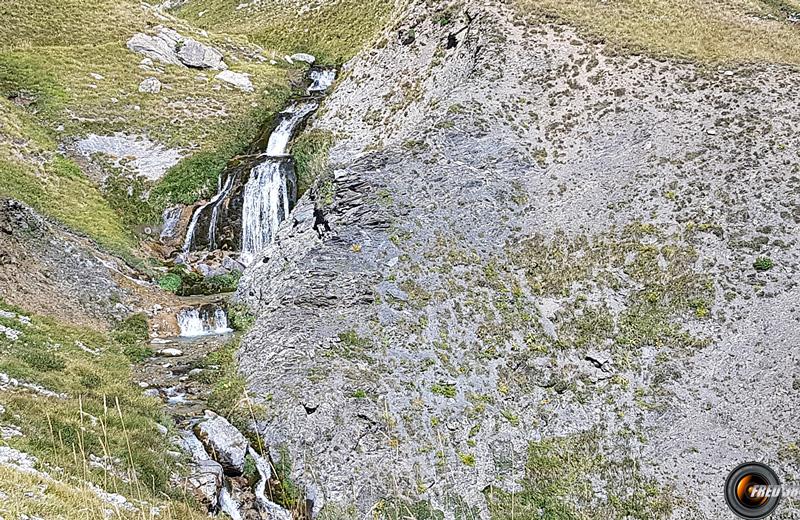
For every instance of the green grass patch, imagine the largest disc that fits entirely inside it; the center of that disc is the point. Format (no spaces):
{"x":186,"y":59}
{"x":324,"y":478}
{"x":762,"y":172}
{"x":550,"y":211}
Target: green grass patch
{"x":559,"y":485}
{"x":310,"y":152}
{"x":103,"y":415}
{"x":710,"y":31}
{"x":333,"y":32}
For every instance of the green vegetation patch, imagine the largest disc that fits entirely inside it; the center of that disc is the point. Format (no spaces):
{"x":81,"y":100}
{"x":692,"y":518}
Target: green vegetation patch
{"x":560,"y":479}
{"x":183,"y":282}
{"x":310,"y":153}
{"x":332,"y":31}
{"x":102,"y":415}
{"x":710,"y":31}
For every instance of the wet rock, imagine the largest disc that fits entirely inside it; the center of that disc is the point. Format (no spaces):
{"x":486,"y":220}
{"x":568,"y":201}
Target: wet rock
{"x":224,"y":442}
{"x":150,"y":86}
{"x":236,"y":79}
{"x":206,"y":478}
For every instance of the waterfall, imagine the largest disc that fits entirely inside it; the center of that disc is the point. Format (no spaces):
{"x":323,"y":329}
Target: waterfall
{"x":213,"y":203}
{"x":253,"y":212}
{"x":266,"y":205}
{"x":322,"y":79}
{"x":289,"y":119}
{"x":267,"y":197}
{"x":172,"y":217}
{"x":204,"y":321}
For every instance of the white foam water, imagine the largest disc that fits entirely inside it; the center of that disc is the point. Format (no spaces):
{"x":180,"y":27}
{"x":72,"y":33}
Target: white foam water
{"x":204,"y":321}
{"x":291,"y":117}
{"x":266,"y":205}
{"x":221,"y":192}
{"x":321,"y":80}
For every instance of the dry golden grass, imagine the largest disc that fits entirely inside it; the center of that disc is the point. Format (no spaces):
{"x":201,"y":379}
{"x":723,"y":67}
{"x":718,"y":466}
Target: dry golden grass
{"x":709,"y":31}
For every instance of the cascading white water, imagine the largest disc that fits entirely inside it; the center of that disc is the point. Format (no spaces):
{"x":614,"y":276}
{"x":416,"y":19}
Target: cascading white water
{"x":266,"y":195}
{"x":321,"y":80}
{"x":266,"y":205}
{"x":291,"y":117}
{"x":221,"y":192}
{"x":171,"y":216}
{"x":204,"y":321}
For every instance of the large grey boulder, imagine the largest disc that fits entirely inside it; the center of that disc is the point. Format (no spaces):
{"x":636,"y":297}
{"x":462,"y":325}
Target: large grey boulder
{"x":170,"y":47}
{"x":155,"y":48}
{"x":194,"y":54}
{"x":223,"y":441}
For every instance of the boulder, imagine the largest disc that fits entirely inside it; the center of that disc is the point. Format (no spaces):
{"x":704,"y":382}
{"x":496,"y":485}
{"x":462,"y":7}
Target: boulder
{"x":224,"y":442}
{"x":236,"y":79}
{"x":194,"y":54}
{"x":205,"y":479}
{"x":169,"y":46}
{"x":301,"y":56}
{"x":150,"y":86}
{"x":155,"y":48}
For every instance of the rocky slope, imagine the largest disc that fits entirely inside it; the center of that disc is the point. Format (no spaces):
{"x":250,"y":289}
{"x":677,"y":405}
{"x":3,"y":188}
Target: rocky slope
{"x":536,"y":279}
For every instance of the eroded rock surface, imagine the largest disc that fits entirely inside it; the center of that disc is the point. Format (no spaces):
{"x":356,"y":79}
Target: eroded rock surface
{"x":226,"y":444}
{"x":528,"y":246}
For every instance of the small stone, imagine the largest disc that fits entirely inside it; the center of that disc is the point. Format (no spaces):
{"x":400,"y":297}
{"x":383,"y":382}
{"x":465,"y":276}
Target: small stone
{"x":301,"y":56}
{"x":143,"y":384}
{"x":238,"y":80}
{"x":150,"y":86}
{"x":289,"y":60}
{"x":729,"y":73}
{"x":170,"y":352}
{"x":96,"y":76}
{"x":711,"y":131}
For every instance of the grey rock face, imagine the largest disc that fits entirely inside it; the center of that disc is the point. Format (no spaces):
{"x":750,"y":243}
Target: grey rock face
{"x":169,"y":46}
{"x":142,"y":156}
{"x":150,"y":86}
{"x":524,"y":239}
{"x":194,"y":54}
{"x":224,"y":442}
{"x":205,"y":479}
{"x":155,"y":47}
{"x":48,"y":270}
{"x":301,"y":56}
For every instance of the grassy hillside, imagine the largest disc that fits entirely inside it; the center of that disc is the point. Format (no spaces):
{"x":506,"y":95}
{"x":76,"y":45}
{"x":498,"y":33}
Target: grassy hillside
{"x":65,"y":72}
{"x":715,"y":31}
{"x":332,"y":31}
{"x":102,"y":431}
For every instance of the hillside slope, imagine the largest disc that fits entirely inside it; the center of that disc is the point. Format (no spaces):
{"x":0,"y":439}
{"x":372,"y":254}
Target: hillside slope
{"x":539,"y":277}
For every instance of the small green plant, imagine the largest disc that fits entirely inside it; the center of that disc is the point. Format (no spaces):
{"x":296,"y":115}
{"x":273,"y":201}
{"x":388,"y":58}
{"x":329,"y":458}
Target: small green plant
{"x":240,"y":317}
{"x":131,"y":334}
{"x":444,"y":389}
{"x":467,"y":459}
{"x":763,"y":263}
{"x":43,"y":360}
{"x":170,"y":282}
{"x":360,"y":394}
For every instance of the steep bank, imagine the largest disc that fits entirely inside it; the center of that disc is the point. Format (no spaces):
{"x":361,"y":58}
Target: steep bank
{"x":518,"y":287}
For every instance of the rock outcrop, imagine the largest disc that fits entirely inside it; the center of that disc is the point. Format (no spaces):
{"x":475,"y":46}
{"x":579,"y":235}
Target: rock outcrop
{"x":170,"y":47}
{"x":46,"y":269}
{"x":507,"y":208}
{"x":226,"y":444}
